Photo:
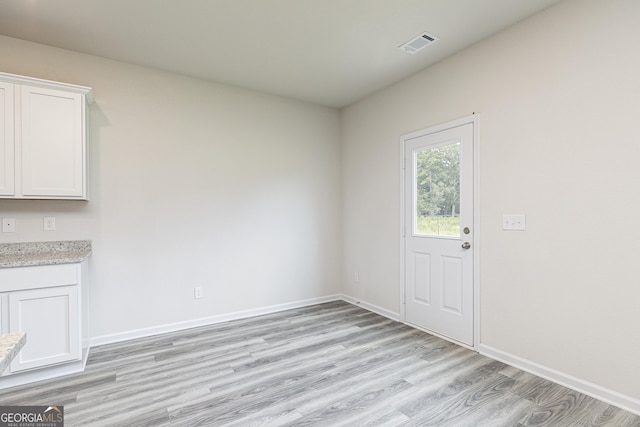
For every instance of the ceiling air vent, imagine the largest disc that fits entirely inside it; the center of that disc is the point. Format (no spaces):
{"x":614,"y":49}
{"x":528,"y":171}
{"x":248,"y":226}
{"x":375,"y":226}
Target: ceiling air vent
{"x":419,"y":42}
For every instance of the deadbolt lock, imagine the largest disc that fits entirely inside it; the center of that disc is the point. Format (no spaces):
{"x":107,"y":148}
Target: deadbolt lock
{"x":466,"y":230}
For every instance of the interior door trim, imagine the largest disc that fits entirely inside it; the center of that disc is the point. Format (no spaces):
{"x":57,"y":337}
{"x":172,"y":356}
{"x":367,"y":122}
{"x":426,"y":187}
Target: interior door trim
{"x":474,"y":119}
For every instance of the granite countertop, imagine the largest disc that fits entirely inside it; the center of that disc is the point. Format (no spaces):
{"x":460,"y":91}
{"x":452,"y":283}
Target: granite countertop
{"x":43,"y":253}
{"x":10,"y":345}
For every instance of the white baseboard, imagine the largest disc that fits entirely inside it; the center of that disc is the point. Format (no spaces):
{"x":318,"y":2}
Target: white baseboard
{"x":371,"y":307}
{"x":205,"y":321}
{"x":601,"y":393}
{"x":27,"y":377}
{"x":211,"y":320}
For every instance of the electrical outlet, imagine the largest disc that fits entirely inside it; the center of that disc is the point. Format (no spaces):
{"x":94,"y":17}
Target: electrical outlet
{"x":356,"y":277}
{"x":49,"y":223}
{"x":8,"y":225}
{"x":198,"y":292}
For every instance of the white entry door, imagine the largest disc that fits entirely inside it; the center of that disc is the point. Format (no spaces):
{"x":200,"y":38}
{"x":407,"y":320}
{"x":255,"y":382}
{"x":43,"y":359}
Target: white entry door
{"x":438,"y":235}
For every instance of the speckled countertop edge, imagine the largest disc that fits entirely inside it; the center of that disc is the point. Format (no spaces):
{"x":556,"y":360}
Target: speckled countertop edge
{"x":10,"y":345}
{"x":43,"y":253}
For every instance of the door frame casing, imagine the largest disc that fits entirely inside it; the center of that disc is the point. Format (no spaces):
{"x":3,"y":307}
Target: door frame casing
{"x":474,"y":120}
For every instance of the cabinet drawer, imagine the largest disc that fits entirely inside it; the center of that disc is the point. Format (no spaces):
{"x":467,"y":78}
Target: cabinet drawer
{"x":45,"y":276}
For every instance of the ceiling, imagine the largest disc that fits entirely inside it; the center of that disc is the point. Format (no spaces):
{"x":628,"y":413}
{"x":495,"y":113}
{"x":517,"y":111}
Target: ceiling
{"x":329,"y":52}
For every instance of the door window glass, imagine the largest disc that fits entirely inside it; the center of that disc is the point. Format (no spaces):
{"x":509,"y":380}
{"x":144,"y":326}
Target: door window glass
{"x":437,"y":191}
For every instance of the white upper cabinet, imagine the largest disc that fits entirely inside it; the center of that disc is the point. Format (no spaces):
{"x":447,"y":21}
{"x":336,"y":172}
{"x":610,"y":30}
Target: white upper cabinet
{"x":7,"y":145}
{"x":44,"y":139}
{"x":52,"y":143}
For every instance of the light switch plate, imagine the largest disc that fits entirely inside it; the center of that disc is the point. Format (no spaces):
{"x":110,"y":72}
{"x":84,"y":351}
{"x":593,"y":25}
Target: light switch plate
{"x":49,"y":223}
{"x":8,"y":225}
{"x":513,"y":222}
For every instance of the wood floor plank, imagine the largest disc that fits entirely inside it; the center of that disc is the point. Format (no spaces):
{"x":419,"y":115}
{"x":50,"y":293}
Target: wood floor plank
{"x":332,"y":364}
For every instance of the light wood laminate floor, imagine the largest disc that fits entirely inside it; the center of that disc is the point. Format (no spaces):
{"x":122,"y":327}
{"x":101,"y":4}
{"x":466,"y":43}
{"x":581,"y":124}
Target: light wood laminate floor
{"x":331,"y":364}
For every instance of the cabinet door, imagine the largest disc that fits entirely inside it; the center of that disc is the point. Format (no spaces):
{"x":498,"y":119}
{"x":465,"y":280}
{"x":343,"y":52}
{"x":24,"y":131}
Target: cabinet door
{"x":52,"y":143}
{"x":50,"y":318}
{"x":4,"y":314}
{"x":7,"y":144}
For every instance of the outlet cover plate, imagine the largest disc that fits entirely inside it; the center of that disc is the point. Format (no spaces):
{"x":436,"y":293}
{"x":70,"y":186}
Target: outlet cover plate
{"x":49,"y":223}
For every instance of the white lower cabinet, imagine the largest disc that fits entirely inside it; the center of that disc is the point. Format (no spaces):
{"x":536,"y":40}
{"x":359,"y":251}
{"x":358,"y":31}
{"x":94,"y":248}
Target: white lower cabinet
{"x":4,"y":321}
{"x":51,"y":321}
{"x":45,"y":303}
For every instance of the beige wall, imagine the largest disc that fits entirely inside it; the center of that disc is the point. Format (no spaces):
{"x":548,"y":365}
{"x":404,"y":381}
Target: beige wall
{"x":559,"y":99}
{"x":191,"y":184}
{"x":194,"y":183}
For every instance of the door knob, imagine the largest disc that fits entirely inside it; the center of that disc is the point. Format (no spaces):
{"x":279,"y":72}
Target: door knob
{"x":466,"y":245}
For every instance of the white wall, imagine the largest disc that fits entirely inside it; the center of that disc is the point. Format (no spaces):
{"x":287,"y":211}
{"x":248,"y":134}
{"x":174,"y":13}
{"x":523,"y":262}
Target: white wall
{"x":559,"y":98}
{"x":191,"y":184}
